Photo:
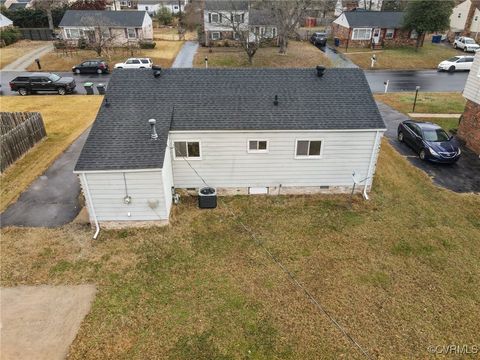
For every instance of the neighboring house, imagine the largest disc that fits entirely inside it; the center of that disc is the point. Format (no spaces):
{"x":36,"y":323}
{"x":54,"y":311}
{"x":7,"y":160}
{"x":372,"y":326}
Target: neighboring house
{"x":5,"y":22}
{"x":154,"y":6}
{"x":243,"y":131}
{"x":372,"y":29}
{"x":17,"y":4}
{"x":220,"y":15}
{"x":348,"y":5}
{"x":123,"y":5}
{"x":465,"y":20}
{"x":121,"y":26}
{"x":469,"y":127}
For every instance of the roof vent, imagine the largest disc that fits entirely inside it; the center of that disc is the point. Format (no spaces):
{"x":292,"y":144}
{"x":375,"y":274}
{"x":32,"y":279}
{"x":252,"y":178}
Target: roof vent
{"x":275,"y":102}
{"x":157,"y":71}
{"x":320,"y":70}
{"x":153,"y":134}
{"x":107,"y":104}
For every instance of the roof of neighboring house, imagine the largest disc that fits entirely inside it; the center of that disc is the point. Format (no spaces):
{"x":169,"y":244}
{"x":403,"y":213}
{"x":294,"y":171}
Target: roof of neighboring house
{"x":220,"y":99}
{"x":4,"y":21}
{"x":17,"y":6}
{"x":381,"y":19}
{"x":103,"y":17}
{"x":260,"y":17}
{"x":232,"y":5}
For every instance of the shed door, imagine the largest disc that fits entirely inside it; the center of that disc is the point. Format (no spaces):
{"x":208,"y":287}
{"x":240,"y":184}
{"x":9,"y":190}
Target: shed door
{"x":376,"y":35}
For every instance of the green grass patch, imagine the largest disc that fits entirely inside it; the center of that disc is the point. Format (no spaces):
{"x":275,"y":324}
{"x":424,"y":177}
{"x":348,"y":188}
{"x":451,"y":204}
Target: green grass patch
{"x":432,"y":103}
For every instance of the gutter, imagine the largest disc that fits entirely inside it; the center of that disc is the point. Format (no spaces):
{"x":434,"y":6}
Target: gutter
{"x":370,"y":166}
{"x":89,"y":198}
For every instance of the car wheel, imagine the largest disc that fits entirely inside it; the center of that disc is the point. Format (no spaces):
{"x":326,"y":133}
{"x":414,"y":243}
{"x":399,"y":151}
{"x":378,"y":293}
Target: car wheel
{"x":423,"y":154}
{"x":451,"y":69}
{"x":61,"y":91}
{"x":465,"y":49}
{"x":99,"y":71}
{"x":454,"y":45}
{"x":119,"y":67}
{"x":23,"y":91}
{"x":400,"y":136}
{"x":77,"y":71}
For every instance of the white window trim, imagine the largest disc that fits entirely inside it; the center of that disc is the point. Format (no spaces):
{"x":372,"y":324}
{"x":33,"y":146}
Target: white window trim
{"x":187,"y":157}
{"x":303,"y":157}
{"x":363,"y":38}
{"x":274,"y":31}
{"x":215,"y":32}
{"x":257,"y":151}
{"x":218,"y":18}
{"x":392,"y":32}
{"x":128,"y":34}
{"x":81,"y":33}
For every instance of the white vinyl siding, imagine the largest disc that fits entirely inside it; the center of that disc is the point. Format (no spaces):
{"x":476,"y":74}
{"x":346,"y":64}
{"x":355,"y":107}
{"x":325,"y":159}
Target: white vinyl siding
{"x":225,"y":163}
{"x":361,"y":34}
{"x":167,"y":177}
{"x":145,"y":188}
{"x":472,"y":87}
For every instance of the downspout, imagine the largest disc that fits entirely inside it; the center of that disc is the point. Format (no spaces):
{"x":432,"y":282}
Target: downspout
{"x":89,"y":198}
{"x":370,"y":166}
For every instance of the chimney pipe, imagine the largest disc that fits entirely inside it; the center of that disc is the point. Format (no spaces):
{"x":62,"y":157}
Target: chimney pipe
{"x":157,"y":73}
{"x":275,"y":102}
{"x":320,"y":70}
{"x":154,"y":134}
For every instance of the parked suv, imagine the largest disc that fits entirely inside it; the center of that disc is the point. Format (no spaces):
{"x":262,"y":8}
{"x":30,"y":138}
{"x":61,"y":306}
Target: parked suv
{"x":319,"y":39}
{"x":98,"y":66}
{"x":135,"y":63}
{"x":466,"y":44}
{"x":33,"y":82}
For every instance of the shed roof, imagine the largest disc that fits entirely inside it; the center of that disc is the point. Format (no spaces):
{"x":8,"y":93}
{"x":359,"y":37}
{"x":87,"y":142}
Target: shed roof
{"x":220,"y":99}
{"x":381,"y":19}
{"x":103,"y":17}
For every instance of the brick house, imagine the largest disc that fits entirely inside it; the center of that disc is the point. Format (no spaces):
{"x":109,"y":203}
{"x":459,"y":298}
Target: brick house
{"x":469,"y":127}
{"x":465,"y":20}
{"x":372,"y":29}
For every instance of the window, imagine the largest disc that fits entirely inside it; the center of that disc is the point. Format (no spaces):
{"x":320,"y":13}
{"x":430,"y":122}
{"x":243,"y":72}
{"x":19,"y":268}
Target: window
{"x":238,"y":18}
{"x":214,"y":18}
{"x":414,"y":34}
{"x":175,"y":7}
{"x":257,"y":146}
{"x":459,"y":15}
{"x":215,"y":36}
{"x":389,"y":33}
{"x":74,"y":33}
{"x":131,"y":33}
{"x":362,"y":34}
{"x":187,"y":149}
{"x":105,"y":32}
{"x":308,"y":149}
{"x":132,"y":61}
{"x":236,"y":36}
{"x":274,"y":32}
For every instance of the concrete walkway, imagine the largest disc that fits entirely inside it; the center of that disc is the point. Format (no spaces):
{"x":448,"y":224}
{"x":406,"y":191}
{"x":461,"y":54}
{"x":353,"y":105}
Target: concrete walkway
{"x":338,"y":59}
{"x":185,"y":57}
{"x":440,"y":116}
{"x":52,"y":199}
{"x":23,"y":62}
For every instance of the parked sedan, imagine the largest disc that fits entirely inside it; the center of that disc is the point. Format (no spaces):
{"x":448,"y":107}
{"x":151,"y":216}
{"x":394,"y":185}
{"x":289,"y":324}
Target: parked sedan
{"x":456,"y":63}
{"x":466,"y":44}
{"x":97,"y":66}
{"x":429,"y":141}
{"x":135,"y":63}
{"x":319,"y":39}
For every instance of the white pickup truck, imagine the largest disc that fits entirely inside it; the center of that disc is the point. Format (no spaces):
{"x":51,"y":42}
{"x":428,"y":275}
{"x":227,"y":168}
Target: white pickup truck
{"x":466,"y":44}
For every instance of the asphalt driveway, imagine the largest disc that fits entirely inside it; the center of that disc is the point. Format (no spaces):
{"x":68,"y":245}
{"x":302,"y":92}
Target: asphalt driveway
{"x":463,"y":176}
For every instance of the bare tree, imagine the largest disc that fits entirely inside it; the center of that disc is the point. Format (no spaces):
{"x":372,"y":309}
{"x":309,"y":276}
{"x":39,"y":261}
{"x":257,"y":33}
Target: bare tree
{"x":100,"y":37}
{"x":48,"y":6}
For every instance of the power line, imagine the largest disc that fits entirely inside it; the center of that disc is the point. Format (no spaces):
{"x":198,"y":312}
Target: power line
{"x":291,"y":277}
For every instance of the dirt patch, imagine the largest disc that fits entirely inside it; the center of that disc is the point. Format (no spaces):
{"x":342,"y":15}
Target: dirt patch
{"x":40,"y":322}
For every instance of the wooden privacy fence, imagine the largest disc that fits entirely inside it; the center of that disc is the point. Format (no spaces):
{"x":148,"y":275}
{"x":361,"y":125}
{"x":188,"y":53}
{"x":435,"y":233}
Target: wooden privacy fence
{"x":19,"y":131}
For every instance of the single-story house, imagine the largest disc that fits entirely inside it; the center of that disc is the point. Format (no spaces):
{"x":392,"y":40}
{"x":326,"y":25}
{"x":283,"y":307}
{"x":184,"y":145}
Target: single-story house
{"x":120,"y":26}
{"x":154,"y":6}
{"x":242,"y":131}
{"x":465,"y":20}
{"x":372,"y":29}
{"x":5,"y":22}
{"x":469,"y":127}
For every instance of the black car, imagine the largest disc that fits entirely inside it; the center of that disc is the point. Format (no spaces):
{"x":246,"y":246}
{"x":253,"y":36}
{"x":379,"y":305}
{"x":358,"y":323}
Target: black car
{"x":96,"y":66}
{"x":319,"y":39}
{"x":34,"y":82}
{"x":429,"y":140}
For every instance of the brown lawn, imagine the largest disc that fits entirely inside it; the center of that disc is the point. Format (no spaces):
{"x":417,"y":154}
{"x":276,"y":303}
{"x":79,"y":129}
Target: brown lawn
{"x":432,"y":103}
{"x":12,"y":52}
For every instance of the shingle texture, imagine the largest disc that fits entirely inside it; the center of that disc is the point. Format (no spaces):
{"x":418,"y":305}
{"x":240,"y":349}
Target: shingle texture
{"x":103,"y":18}
{"x":381,"y":19}
{"x":220,"y":99}
{"x":226,"y":5}
{"x":260,"y":17}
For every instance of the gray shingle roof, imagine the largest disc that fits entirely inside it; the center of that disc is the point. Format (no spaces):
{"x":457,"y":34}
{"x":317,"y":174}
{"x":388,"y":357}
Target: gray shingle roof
{"x":226,"y":5}
{"x":260,"y":17}
{"x":220,"y":99}
{"x":103,"y":17}
{"x":381,"y":19}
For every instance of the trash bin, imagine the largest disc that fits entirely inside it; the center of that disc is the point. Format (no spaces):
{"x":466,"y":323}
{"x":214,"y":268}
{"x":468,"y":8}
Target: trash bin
{"x":101,"y":89}
{"x":436,"y":39}
{"x":88,"y":88}
{"x":336,"y":41}
{"x":207,"y":198}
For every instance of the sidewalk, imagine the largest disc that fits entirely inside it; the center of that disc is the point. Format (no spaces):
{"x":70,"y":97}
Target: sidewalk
{"x":23,"y":62}
{"x":440,"y":116}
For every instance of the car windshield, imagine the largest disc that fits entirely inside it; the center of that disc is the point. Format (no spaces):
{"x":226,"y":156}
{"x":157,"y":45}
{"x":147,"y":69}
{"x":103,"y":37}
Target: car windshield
{"x":53,"y":77}
{"x":469,"y":41}
{"x":435,"y":135}
{"x":453,"y":59}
